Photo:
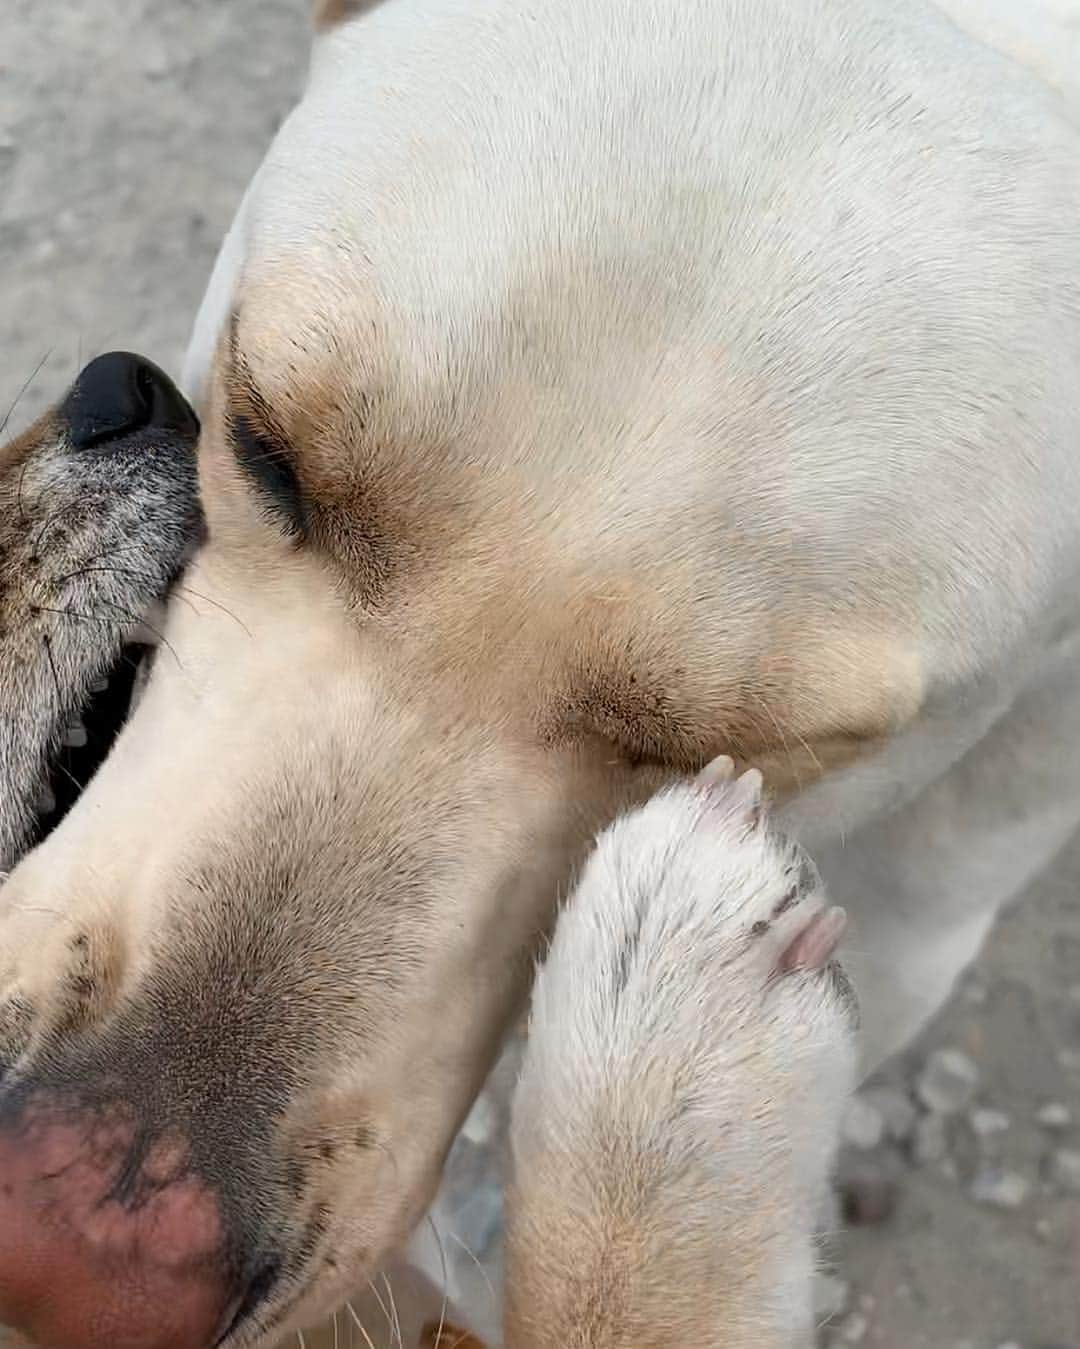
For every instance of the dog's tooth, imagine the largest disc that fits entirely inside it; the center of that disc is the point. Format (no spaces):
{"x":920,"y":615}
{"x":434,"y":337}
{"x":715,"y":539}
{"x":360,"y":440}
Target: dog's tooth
{"x":45,"y":802}
{"x":149,"y":631}
{"x":138,"y":687}
{"x":75,"y":736}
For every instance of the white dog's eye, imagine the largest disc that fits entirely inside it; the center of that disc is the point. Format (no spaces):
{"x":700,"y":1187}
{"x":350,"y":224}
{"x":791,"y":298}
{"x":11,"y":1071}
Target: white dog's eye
{"x":267,"y":461}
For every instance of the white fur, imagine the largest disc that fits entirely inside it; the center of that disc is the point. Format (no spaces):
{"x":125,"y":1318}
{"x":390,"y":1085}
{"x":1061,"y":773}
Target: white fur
{"x":442,"y":141}
{"x":762,"y":313}
{"x":677,"y":1082}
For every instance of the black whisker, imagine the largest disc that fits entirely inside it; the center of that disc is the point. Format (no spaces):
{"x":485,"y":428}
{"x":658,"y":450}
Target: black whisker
{"x":23,"y":521}
{"x":137,"y":618}
{"x":119,"y":571}
{"x":73,"y":613}
{"x":180,"y":590}
{"x":224,"y":609}
{"x":59,"y":766}
{"x":113,"y":552}
{"x":47,"y":642}
{"x":22,"y":391}
{"x":3,"y":427}
{"x":48,"y":523}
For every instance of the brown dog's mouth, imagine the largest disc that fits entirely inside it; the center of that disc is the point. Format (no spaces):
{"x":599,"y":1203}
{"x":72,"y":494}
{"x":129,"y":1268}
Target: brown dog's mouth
{"x":85,"y":742}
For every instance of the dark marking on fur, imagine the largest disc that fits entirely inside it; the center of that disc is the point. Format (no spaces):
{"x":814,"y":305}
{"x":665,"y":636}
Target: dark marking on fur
{"x":295,"y":1177}
{"x":267,"y":461}
{"x":83,"y":985}
{"x":261,"y":447}
{"x":330,"y":13}
{"x":630,"y":712}
{"x":788,"y":901}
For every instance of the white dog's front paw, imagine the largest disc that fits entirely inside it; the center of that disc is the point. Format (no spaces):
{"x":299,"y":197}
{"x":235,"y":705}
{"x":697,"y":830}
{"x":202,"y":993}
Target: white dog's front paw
{"x":695,"y":926}
{"x":691,"y":1051}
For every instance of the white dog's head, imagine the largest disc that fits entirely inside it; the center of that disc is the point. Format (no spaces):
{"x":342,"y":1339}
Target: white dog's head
{"x":578,"y":402}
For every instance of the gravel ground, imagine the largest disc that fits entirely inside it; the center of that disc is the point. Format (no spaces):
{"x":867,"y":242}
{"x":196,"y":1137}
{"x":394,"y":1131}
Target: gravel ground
{"x":127,"y":132}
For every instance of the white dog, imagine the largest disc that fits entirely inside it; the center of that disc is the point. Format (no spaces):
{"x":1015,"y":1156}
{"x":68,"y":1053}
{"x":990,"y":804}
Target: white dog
{"x":588,"y":389}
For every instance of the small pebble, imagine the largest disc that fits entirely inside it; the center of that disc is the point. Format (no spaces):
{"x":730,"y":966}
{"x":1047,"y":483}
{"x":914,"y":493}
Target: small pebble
{"x":863,"y":1125}
{"x":1054,"y":1115}
{"x":1065,"y":1170}
{"x":867,"y":1194}
{"x":1000,"y":1189}
{"x":156,"y":62}
{"x":831,"y":1296}
{"x":853,"y":1328}
{"x":929,"y":1143}
{"x":896,"y":1109}
{"x":986,"y":1123}
{"x":989,"y":1127}
{"x":947,"y":1082}
{"x":1044,"y":1230}
{"x":975,"y":993}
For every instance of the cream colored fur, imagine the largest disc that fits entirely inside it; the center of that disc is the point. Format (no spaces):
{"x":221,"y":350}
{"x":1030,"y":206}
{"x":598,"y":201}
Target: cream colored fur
{"x":659,"y":381}
{"x":676,"y":1116}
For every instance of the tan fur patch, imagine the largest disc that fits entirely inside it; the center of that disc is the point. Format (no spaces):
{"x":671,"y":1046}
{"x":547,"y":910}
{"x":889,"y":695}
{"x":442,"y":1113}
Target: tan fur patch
{"x":330,"y":13}
{"x":446,"y":1336}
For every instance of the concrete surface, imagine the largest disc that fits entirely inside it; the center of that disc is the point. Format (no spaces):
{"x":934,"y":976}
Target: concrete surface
{"x":127,"y":132}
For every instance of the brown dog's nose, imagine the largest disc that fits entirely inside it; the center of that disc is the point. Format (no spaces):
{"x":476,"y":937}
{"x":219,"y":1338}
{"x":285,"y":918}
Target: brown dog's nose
{"x":107,"y":1241}
{"x":119,"y":394}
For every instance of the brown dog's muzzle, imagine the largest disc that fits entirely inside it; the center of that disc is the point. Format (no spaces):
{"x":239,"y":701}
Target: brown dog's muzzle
{"x":127,"y":1171}
{"x":100,"y":1247}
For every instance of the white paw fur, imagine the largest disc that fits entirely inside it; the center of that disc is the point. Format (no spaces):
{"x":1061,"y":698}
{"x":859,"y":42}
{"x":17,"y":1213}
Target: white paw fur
{"x":691,"y":1050}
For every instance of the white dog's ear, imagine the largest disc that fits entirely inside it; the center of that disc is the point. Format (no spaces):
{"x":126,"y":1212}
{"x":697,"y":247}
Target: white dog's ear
{"x":329,"y":13}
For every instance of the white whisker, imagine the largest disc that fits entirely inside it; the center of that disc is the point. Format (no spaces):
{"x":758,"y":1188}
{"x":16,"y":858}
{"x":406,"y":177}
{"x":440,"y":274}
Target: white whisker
{"x":476,"y":1262}
{"x":393,"y":1308}
{"x":445,"y":1283}
{"x":359,"y":1324}
{"x":382,"y":1306}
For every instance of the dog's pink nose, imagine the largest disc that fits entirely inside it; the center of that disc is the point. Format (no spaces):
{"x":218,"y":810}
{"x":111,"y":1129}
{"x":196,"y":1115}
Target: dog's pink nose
{"x":106,"y":1242}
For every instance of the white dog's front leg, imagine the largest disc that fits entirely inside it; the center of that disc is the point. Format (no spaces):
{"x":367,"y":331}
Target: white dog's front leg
{"x":923,"y":886}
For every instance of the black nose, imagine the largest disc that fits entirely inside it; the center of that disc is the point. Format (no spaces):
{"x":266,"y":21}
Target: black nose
{"x":119,"y":394}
